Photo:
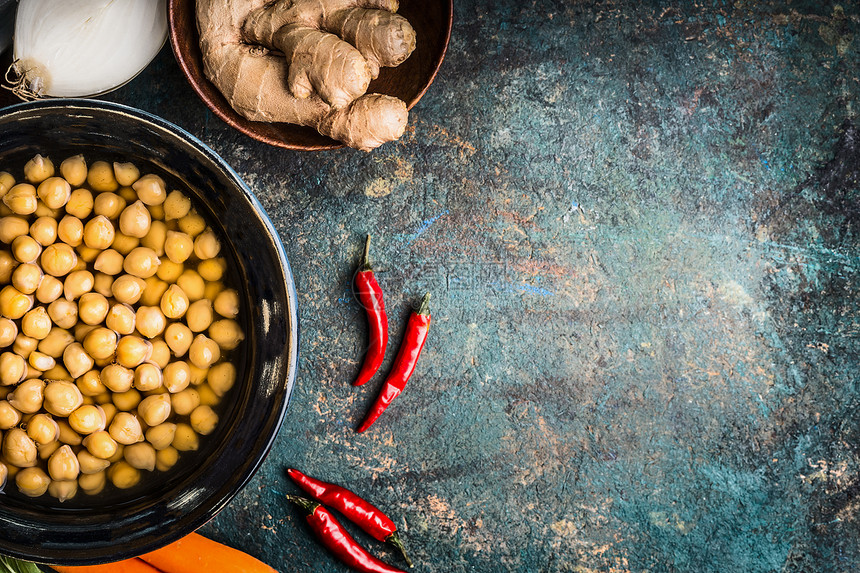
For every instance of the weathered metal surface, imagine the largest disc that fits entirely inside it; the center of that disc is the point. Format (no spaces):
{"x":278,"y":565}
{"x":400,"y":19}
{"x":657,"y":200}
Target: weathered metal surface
{"x":639,"y":222}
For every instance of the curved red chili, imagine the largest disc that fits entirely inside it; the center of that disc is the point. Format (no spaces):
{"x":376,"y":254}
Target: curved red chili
{"x":370,"y":296}
{"x":404,"y":364}
{"x":338,"y":540}
{"x":358,"y":510}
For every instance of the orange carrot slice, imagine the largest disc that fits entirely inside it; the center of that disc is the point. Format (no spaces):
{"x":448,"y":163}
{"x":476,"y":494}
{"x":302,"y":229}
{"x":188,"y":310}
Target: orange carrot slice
{"x":197,"y":554}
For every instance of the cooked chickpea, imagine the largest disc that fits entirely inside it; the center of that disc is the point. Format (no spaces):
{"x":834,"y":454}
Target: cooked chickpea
{"x":38,"y":169}
{"x":43,"y":210}
{"x":8,"y":332}
{"x":91,"y":464}
{"x":12,"y":227}
{"x":74,"y":170}
{"x":221,"y":377}
{"x":207,"y":245}
{"x":169,"y":272}
{"x":13,"y":368}
{"x":155,"y":289}
{"x":128,"y":400}
{"x":24,"y":345}
{"x":90,"y":384}
{"x":155,"y":237}
{"x":135,"y":220}
{"x":93,"y":484}
{"x":99,"y":233}
{"x":150,"y":189}
{"x":78,"y":283}
{"x":21,"y":199}
{"x":70,"y":230}
{"x":185,"y":401}
{"x":150,"y":321}
{"x":36,"y":323}
{"x":185,"y":438}
{"x":147,"y":377}
{"x":125,"y":173}
{"x":166,"y":458}
{"x":26,"y":249}
{"x":7,"y":181}
{"x":80,"y":205}
{"x":100,"y":444}
{"x":87,"y":419}
{"x":109,"y":262}
{"x":212,"y":270}
{"x":102,"y":284}
{"x":178,"y":337}
{"x":110,"y":205}
{"x":100,"y":177}
{"x":44,"y":230}
{"x":178,"y":246}
{"x":92,"y":308}
{"x":58,"y":259}
{"x":227,"y":333}
{"x":161,"y":436}
{"x":192,"y":224}
{"x":49,"y":289}
{"x":117,"y":378}
{"x":131,"y":351}
{"x":57,"y":372}
{"x":121,"y":318}
{"x":174,"y":302}
{"x":40,"y":362}
{"x":100,"y":343}
{"x":126,"y":429}
{"x":177,"y":376}
{"x":9,"y":415}
{"x":198,"y":375}
{"x":124,"y":244}
{"x":43,"y":429}
{"x":155,"y":409}
{"x":208,"y":397}
{"x":7,"y":266}
{"x":62,"y":398}
{"x":128,"y":289}
{"x":32,"y":481}
{"x":76,"y":360}
{"x":122,"y":475}
{"x":63,"y":313}
{"x":63,"y":490}
{"x":141,"y":262}
{"x":54,"y":192}
{"x":19,"y":449}
{"x":140,"y":456}
{"x":203,"y":420}
{"x":28,"y":396}
{"x":45,"y":450}
{"x":176,"y":205}
{"x":67,"y":434}
{"x":27,"y":277}
{"x":63,"y":464}
{"x":192,"y":284}
{"x":199,"y":315}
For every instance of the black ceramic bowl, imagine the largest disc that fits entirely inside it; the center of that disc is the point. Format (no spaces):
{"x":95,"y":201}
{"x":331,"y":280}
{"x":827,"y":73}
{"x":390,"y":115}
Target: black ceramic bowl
{"x":168,"y":505}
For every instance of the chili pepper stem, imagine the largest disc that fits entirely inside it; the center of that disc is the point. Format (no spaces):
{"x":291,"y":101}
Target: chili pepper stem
{"x":424,"y":309}
{"x":365,"y":260}
{"x":308,"y":505}
{"x":394,"y":539}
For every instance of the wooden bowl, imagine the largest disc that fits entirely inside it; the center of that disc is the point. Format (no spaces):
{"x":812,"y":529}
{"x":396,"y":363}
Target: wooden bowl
{"x":408,"y":81}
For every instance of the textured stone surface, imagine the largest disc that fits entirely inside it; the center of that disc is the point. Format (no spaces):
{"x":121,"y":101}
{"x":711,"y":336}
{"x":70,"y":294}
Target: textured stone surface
{"x":639,"y":223}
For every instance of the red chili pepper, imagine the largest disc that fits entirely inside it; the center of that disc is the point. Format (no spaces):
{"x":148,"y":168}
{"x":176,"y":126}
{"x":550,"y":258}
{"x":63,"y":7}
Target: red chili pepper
{"x":404,"y":364}
{"x":338,"y":540}
{"x":370,"y":296}
{"x":358,"y":510}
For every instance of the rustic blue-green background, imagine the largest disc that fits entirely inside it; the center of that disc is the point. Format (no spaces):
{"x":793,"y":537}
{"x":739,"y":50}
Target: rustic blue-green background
{"x":639,"y":222}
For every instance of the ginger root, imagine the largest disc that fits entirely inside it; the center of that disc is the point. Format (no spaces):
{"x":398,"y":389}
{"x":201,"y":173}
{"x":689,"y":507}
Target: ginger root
{"x":308,"y":62}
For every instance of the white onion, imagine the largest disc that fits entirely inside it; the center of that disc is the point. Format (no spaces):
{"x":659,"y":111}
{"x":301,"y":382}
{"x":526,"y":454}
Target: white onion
{"x":79,"y":48}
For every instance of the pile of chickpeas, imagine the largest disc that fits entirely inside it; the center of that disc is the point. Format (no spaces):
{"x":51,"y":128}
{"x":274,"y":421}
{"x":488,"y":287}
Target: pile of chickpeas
{"x":114,"y":326}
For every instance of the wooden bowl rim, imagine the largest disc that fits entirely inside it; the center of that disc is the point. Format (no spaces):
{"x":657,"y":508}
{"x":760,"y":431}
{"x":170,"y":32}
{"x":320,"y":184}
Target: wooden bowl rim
{"x":234,"y":120}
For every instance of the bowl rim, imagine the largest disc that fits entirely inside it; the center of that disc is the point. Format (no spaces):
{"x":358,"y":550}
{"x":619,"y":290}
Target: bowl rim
{"x":212,"y":506}
{"x":182,"y":57}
